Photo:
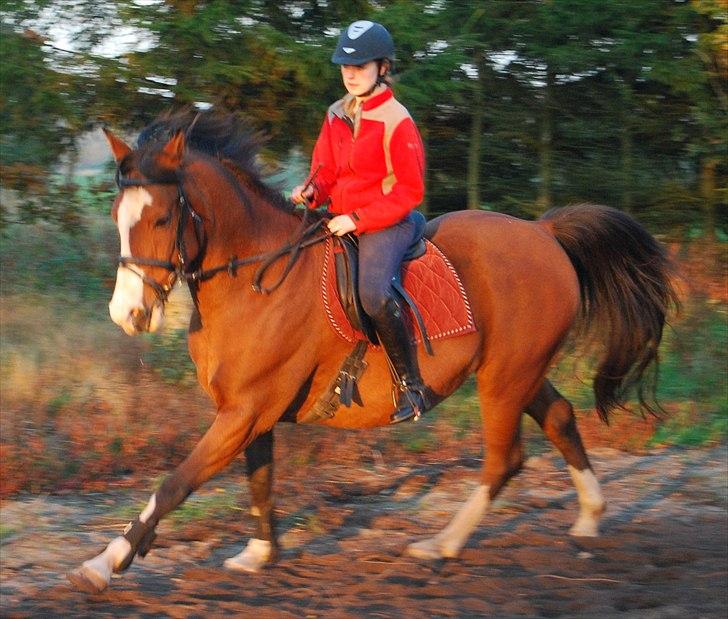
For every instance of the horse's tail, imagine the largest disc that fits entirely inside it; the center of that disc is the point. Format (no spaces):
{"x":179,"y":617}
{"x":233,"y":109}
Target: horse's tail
{"x":627,"y":286}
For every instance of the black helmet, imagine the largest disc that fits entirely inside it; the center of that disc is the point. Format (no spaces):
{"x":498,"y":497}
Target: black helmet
{"x":363,"y":41}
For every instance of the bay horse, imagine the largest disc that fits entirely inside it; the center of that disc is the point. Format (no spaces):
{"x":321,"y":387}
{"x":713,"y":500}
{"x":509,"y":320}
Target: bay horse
{"x":191,"y":197}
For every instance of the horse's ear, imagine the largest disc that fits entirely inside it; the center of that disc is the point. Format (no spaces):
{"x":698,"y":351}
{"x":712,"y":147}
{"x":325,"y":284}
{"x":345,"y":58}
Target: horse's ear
{"x":171,"y":155}
{"x":118,"y":147}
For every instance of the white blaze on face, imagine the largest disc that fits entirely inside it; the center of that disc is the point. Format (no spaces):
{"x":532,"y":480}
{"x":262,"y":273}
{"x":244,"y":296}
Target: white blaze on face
{"x":129,"y":290}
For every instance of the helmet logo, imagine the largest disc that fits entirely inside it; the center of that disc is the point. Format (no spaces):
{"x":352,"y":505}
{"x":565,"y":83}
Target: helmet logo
{"x":348,"y":50}
{"x":358,"y":28}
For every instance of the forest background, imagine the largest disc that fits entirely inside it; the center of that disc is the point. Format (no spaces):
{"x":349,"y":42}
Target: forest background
{"x":523,"y":105}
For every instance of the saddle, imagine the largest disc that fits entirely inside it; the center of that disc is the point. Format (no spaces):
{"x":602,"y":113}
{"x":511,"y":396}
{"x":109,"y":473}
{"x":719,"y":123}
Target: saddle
{"x":435,"y":300}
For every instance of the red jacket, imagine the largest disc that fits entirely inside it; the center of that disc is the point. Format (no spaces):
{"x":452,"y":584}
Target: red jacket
{"x":371,"y":164}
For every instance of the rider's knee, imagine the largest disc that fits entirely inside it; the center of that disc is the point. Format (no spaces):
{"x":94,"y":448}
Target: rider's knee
{"x":374,"y":300}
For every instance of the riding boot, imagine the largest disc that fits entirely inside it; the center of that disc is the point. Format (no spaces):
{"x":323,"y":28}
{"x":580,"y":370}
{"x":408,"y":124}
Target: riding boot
{"x":392,"y":332}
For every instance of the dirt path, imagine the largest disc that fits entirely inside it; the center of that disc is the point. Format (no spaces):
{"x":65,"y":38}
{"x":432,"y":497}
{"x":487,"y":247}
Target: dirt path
{"x":662,"y":553}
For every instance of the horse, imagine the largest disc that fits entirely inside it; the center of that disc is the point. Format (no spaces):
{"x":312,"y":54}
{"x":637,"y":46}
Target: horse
{"x":192,"y":199}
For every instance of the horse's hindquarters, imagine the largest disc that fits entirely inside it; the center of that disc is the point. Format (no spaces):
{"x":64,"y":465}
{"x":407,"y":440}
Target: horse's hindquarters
{"x":521,"y":285}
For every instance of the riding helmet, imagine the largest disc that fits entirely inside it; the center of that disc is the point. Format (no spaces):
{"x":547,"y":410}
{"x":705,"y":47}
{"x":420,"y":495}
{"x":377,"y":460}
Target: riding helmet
{"x":363,"y":41}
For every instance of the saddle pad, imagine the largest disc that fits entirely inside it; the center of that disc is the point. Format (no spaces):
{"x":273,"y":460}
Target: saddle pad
{"x":430,"y":280}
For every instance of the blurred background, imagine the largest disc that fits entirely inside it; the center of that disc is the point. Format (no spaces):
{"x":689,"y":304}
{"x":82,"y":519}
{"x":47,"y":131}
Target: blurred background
{"x":523,"y":105}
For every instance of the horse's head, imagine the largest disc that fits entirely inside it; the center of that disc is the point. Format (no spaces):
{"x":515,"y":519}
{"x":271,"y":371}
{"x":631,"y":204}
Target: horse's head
{"x":148,"y":213}
{"x":213,"y":155}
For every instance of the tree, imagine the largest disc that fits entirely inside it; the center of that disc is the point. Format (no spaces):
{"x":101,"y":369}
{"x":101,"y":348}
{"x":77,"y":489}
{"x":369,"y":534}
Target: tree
{"x":708,"y":91}
{"x":522,"y":105}
{"x":41,"y":113}
{"x":607,"y":116}
{"x":246,"y":56}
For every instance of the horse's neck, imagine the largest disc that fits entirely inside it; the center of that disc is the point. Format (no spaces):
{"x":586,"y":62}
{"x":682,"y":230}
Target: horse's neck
{"x":238,"y":220}
{"x":232,"y":319}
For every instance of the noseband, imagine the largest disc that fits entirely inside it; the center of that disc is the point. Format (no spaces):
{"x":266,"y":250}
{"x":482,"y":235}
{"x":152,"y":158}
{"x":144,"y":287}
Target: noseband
{"x":185,"y":269}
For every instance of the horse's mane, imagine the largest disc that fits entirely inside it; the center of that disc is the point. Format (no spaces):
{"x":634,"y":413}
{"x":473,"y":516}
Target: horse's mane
{"x":223,"y":135}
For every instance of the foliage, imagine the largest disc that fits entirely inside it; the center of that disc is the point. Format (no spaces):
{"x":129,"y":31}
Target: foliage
{"x":693,"y":351}
{"x":6,"y":532}
{"x":683,"y":429}
{"x":522,"y":105}
{"x":169,"y":357}
{"x":207,"y":507}
{"x":43,"y":259}
{"x":417,"y":438}
{"x":37,"y":112}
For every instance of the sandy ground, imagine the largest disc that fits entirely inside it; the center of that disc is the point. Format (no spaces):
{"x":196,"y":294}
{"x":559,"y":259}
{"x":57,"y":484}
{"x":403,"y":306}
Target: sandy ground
{"x":663,"y":552}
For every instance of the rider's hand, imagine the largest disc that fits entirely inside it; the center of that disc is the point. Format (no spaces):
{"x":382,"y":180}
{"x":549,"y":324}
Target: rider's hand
{"x":341,"y":224}
{"x":301,"y":194}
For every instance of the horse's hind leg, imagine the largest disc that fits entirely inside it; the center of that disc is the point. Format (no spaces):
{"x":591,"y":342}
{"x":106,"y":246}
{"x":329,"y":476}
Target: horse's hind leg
{"x":503,"y":458}
{"x":263,"y":548}
{"x":555,"y":415}
{"x":225,"y":438}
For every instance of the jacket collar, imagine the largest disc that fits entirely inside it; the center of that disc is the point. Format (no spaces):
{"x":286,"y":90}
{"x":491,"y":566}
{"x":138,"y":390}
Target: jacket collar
{"x":348,"y":102}
{"x":377,"y":100}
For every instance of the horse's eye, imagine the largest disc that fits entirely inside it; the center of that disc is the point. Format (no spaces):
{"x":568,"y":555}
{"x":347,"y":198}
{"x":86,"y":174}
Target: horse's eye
{"x":163,"y":221}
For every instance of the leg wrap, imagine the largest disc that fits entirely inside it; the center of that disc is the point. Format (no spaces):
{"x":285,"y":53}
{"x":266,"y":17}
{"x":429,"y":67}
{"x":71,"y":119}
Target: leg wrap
{"x":140,"y":536}
{"x":266,"y":530}
{"x":259,"y":458}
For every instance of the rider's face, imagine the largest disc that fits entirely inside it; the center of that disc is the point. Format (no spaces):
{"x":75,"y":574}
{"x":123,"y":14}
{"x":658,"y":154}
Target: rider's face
{"x":359,"y":79}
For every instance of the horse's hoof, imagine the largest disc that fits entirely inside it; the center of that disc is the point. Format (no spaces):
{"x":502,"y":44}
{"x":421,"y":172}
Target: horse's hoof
{"x":450,"y":551}
{"x":87,"y":580}
{"x":254,"y":556}
{"x":428,"y":549}
{"x":587,"y":528}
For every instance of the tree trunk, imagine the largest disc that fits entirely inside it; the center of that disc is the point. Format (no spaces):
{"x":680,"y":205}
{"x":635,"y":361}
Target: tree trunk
{"x":425,"y":134}
{"x":69,"y":213}
{"x":625,"y":139}
{"x":625,"y":146}
{"x":73,"y":156}
{"x":708,"y":194}
{"x":544,"y":201}
{"x":476,"y":129}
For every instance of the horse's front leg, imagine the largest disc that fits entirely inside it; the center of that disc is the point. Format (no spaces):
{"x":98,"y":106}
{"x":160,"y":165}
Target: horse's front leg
{"x":263,"y":548}
{"x":231,"y":432}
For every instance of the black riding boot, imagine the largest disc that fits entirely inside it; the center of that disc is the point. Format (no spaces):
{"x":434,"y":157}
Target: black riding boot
{"x":392,"y":332}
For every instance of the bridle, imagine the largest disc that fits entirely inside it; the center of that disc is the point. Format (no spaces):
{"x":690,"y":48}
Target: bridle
{"x":189,"y":271}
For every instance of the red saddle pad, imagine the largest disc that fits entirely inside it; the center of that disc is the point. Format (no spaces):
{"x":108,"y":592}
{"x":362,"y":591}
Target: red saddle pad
{"x":430,"y":280}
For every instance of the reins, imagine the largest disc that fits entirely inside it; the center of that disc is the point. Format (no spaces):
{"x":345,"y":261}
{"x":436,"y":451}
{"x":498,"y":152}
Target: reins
{"x":301,"y":240}
{"x":304,"y":237}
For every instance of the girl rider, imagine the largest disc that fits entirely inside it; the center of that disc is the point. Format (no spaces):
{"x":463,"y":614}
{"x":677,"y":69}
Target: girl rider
{"x":370,"y":163}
